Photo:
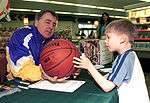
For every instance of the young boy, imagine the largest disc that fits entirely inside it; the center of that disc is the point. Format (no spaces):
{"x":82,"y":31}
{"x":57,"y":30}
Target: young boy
{"x":126,"y":74}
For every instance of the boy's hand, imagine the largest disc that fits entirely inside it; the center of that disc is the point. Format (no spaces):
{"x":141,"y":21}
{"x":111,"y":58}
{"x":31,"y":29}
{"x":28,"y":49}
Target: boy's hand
{"x":82,"y":62}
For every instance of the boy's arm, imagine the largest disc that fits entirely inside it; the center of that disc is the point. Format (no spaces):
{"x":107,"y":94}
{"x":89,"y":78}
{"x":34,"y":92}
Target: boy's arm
{"x":85,"y":63}
{"x":105,"y":84}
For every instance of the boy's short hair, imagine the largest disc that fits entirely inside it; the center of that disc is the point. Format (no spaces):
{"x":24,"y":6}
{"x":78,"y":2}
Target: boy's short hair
{"x":42,"y":12}
{"x":122,"y":26}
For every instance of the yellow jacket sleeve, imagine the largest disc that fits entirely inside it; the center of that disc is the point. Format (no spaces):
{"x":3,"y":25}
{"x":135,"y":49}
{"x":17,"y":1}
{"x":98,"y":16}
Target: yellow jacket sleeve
{"x":29,"y":71}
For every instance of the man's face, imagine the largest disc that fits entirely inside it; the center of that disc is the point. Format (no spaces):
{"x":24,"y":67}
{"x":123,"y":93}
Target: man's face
{"x":46,"y":25}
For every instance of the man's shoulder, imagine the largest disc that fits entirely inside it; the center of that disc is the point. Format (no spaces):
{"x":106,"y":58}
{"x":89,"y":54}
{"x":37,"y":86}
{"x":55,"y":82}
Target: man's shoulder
{"x":21,"y":33}
{"x":24,"y":29}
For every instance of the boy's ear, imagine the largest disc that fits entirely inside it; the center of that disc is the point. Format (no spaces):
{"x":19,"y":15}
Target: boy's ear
{"x":122,"y":40}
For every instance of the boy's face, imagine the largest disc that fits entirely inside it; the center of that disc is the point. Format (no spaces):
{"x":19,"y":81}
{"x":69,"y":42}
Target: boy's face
{"x":112,"y":41}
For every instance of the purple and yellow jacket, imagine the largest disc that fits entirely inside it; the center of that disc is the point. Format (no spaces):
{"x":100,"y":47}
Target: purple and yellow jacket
{"x":23,"y":53}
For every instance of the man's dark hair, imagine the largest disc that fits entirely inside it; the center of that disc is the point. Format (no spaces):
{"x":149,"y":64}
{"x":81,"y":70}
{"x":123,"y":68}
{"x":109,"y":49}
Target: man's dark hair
{"x":42,"y":12}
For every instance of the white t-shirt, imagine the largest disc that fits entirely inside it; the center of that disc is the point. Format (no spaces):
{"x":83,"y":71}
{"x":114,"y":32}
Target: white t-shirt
{"x":127,"y":74}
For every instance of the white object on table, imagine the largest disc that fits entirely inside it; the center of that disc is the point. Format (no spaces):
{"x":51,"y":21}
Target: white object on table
{"x":106,"y":69}
{"x":98,"y":66}
{"x":67,"y":86}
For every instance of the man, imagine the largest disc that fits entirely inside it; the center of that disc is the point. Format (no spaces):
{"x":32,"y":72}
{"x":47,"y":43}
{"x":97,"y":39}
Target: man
{"x":25,"y":45}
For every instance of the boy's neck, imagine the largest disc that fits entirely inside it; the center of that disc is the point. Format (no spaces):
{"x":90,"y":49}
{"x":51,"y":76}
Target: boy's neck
{"x":124,"y":48}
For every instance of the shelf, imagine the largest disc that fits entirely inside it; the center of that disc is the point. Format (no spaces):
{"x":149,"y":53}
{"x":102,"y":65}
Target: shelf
{"x":143,"y":53}
{"x":141,"y":49}
{"x":143,"y":39}
{"x":143,"y":30}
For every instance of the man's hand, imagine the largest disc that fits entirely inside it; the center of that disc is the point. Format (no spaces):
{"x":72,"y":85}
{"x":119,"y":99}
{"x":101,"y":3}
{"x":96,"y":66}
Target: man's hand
{"x":10,"y":76}
{"x":54,"y":79}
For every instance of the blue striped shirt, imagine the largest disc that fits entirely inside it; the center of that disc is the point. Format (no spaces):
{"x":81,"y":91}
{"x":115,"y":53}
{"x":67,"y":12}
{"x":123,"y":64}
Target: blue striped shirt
{"x":122,"y":68}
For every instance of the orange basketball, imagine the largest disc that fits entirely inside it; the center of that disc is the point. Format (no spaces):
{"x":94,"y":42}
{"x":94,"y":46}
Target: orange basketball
{"x":57,"y":58}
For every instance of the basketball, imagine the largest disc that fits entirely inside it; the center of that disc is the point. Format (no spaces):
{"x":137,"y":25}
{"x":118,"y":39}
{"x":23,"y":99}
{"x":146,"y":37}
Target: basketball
{"x":57,"y":58}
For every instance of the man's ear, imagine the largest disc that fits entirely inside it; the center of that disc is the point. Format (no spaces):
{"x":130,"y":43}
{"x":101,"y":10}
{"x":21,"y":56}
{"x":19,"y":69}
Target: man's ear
{"x":36,"y":23}
{"x":56,"y":24}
